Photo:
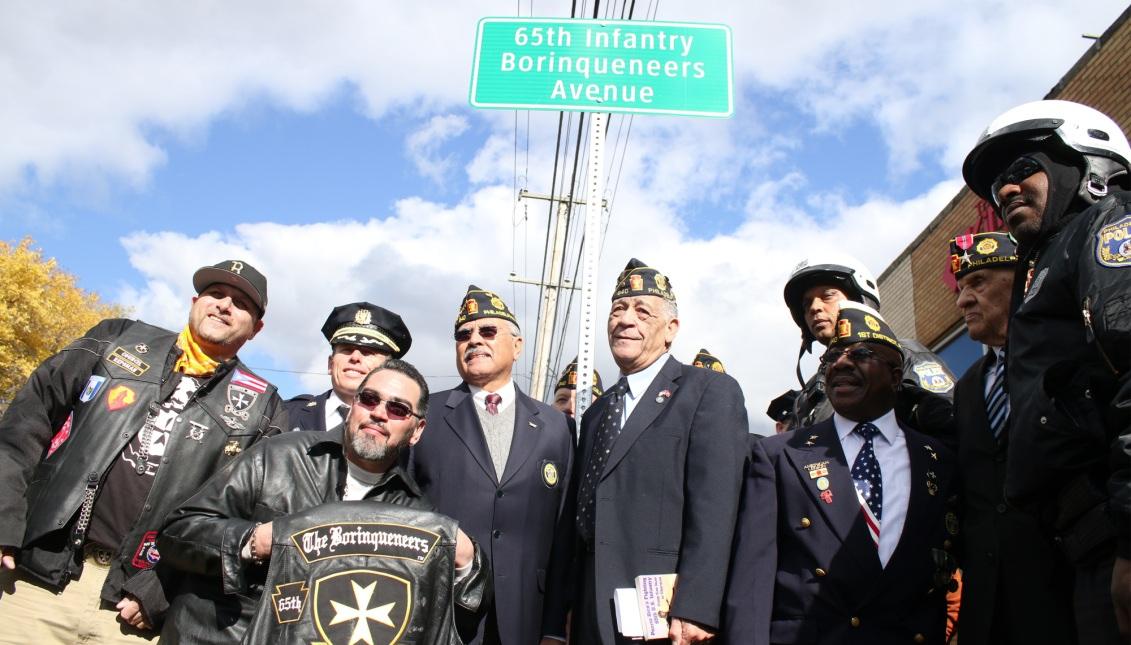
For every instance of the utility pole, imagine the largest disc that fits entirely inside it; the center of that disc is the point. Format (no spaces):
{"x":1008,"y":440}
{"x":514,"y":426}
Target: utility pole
{"x":551,"y":282}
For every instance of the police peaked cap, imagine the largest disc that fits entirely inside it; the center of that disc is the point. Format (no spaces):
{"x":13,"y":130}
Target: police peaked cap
{"x":478,"y":303}
{"x":366,"y":325}
{"x":639,"y":279}
{"x":968,"y":253}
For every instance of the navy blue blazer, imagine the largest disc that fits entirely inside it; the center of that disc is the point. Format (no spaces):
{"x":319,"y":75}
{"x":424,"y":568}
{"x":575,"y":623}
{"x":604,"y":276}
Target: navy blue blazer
{"x":307,"y":411}
{"x":806,"y":570}
{"x":513,"y":518}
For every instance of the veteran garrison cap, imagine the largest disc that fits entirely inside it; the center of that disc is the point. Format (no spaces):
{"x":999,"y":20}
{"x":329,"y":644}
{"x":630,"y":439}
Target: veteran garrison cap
{"x":238,"y":274}
{"x":781,"y":408}
{"x":982,"y":251}
{"x":707,"y":360}
{"x":366,"y":325}
{"x":859,"y":323}
{"x":638,"y":279}
{"x":568,"y":379}
{"x":478,"y":303}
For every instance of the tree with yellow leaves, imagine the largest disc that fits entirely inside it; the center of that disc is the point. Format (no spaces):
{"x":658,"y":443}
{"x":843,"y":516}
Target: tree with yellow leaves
{"x":41,"y":311}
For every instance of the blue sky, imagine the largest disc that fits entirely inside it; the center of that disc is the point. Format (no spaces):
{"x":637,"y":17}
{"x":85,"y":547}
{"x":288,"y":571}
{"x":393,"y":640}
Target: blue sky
{"x":334,"y":148}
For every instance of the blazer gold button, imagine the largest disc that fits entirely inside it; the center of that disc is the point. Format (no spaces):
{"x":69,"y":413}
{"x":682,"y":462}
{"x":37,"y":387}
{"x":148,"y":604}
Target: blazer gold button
{"x":805,"y":523}
{"x":819,"y":572}
{"x":854,"y":621}
{"x":919,"y":638}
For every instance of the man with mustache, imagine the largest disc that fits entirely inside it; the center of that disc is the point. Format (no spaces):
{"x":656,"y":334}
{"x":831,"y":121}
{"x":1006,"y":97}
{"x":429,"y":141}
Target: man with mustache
{"x":660,"y":465}
{"x":1001,"y":589}
{"x":362,"y":336}
{"x":1057,"y":173}
{"x":109,"y":436}
{"x":222,"y":538}
{"x":498,"y":461}
{"x":843,"y":532}
{"x":813,"y":294}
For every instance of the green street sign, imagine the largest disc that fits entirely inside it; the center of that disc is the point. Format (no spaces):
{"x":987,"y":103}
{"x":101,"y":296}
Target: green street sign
{"x":603,"y":66}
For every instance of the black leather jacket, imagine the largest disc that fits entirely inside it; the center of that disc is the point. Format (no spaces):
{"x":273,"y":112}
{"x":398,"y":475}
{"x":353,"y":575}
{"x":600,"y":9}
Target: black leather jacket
{"x":365,"y":568}
{"x":1069,"y":378}
{"x":925,"y":397}
{"x":44,"y":475}
{"x":290,"y":474}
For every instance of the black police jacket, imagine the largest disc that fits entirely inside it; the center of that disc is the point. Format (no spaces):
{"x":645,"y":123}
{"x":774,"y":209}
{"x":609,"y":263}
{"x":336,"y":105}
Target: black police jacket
{"x":1069,"y":377}
{"x":109,"y":379}
{"x":924,"y":401}
{"x":290,"y":474}
{"x":365,"y":570}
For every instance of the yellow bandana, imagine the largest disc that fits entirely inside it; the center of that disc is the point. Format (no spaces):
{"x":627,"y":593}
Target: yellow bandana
{"x":193,"y":360}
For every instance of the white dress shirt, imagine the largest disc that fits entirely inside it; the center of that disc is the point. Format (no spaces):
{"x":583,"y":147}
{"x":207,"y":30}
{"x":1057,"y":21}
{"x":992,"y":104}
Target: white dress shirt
{"x":480,"y":396}
{"x":333,"y":417}
{"x":890,"y":447}
{"x":638,"y":384}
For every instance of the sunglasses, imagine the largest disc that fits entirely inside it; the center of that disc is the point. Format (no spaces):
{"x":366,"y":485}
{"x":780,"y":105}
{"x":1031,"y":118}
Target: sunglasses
{"x":1021,"y":169}
{"x":857,"y":354}
{"x":396,"y":410}
{"x":486,"y":332}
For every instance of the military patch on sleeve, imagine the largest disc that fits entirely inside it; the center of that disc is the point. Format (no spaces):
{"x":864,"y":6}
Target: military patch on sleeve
{"x":364,"y":538}
{"x":933,"y":378}
{"x":1113,"y":244}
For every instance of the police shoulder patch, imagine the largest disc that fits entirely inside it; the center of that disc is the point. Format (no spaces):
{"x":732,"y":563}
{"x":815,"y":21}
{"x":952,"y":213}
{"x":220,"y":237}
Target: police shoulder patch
{"x":933,"y":378}
{"x":1113,"y":243}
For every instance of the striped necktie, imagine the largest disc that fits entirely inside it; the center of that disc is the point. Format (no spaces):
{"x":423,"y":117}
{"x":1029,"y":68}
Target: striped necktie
{"x":869,"y":482}
{"x":997,"y":401}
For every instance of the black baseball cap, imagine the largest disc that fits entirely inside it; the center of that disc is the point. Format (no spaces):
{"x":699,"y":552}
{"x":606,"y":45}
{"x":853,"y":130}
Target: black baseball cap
{"x":238,"y":274}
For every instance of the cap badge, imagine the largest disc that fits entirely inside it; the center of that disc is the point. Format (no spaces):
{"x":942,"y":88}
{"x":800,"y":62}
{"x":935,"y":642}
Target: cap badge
{"x":872,"y":323}
{"x":363,"y":317}
{"x":236,"y":267}
{"x":471,"y":306}
{"x":636,"y":282}
{"x":497,"y":302}
{"x":986,"y":246}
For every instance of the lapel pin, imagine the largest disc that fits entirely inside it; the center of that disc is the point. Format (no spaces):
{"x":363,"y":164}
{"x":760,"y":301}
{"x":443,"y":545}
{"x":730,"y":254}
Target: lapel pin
{"x":663,"y":396}
{"x":827,"y":496}
{"x":932,"y":486}
{"x":532,"y":424}
{"x":931,"y":451}
{"x":823,"y":483}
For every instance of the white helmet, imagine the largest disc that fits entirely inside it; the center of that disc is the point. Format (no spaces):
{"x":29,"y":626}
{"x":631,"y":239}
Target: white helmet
{"x":1086,"y":135}
{"x":836,"y":269}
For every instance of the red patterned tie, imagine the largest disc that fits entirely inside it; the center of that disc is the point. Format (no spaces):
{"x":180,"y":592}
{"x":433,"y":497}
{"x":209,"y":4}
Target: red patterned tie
{"x":493,"y":401}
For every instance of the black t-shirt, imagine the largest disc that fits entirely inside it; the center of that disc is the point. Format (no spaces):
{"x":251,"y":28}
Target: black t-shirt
{"x":125,"y":489}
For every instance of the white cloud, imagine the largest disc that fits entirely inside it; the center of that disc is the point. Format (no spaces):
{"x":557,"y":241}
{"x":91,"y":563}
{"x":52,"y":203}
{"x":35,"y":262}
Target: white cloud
{"x":424,"y":145}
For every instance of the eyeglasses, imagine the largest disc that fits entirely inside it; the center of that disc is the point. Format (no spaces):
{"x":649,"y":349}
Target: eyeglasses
{"x":396,"y":410}
{"x":1021,"y":169}
{"x":487,"y":332}
{"x":857,"y":354}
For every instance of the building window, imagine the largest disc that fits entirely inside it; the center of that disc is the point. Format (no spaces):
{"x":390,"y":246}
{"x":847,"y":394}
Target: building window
{"x":959,"y":352}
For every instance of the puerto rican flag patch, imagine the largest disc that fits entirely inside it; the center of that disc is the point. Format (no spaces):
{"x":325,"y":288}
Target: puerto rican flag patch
{"x":249,"y":381}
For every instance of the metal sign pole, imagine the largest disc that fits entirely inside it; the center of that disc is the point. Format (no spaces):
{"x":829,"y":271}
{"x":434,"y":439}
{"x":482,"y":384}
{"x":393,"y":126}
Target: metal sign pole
{"x":588,"y":326}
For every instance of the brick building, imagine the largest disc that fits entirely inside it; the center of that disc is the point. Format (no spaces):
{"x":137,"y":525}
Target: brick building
{"x":917,"y":288}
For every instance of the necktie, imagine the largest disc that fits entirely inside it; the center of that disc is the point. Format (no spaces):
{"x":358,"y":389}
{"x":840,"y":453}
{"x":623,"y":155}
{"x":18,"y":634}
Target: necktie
{"x":343,"y":412}
{"x":493,"y":401}
{"x":866,"y":476}
{"x":606,"y":435}
{"x":997,"y":401}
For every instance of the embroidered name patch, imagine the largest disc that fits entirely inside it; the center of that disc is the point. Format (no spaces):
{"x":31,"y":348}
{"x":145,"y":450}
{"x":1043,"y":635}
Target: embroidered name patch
{"x":1113,"y":244}
{"x":364,"y":538}
{"x":127,"y":361}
